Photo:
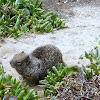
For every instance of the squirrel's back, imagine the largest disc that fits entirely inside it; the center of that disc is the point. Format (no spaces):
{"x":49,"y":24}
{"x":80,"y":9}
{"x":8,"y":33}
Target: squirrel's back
{"x":49,"y":54}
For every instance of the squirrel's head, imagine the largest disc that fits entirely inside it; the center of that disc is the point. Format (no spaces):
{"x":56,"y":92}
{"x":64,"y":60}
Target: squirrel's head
{"x":23,"y":61}
{"x":19,"y":60}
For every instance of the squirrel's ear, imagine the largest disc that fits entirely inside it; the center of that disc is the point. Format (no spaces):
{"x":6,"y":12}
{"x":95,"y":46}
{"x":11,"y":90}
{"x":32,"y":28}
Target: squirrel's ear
{"x":22,"y":52}
{"x":28,"y":60}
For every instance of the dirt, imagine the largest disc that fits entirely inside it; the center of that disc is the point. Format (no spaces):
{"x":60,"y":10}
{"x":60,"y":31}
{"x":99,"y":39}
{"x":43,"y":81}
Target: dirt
{"x":82,"y":34}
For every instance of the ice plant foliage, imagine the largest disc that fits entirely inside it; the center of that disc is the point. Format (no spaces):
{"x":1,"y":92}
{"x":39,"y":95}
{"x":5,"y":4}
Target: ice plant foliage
{"x":26,"y":16}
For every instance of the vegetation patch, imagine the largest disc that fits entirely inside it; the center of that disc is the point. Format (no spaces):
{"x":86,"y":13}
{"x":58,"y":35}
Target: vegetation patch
{"x":94,"y":67}
{"x":10,"y":89}
{"x":54,"y":79}
{"x":26,"y":16}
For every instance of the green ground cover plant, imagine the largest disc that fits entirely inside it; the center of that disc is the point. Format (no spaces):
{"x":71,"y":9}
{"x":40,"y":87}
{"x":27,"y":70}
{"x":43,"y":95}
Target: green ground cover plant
{"x":94,"y":67}
{"x":26,"y":16}
{"x":10,"y":89}
{"x":54,"y":79}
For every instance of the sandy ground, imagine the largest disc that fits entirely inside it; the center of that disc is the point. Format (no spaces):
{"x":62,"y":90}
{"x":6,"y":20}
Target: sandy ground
{"x":82,"y":35}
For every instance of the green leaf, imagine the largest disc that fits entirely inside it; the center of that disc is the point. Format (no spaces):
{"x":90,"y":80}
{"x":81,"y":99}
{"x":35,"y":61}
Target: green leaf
{"x":20,"y":95}
{"x":49,"y":73}
{"x":94,"y":67}
{"x":89,"y":74}
{"x":97,"y":53}
{"x":27,"y":12}
{"x":4,"y":1}
{"x":43,"y":86}
{"x":36,"y":4}
{"x":53,"y":98}
{"x":55,"y":70}
{"x":28,"y":95}
{"x":84,"y":69}
{"x":19,"y":86}
{"x":44,"y":25}
{"x":17,"y":24}
{"x":86,"y":55}
{"x":18,"y":2}
{"x":54,"y":16}
{"x":63,"y":72}
{"x":60,"y":67}
{"x":40,"y":4}
{"x":17,"y":91}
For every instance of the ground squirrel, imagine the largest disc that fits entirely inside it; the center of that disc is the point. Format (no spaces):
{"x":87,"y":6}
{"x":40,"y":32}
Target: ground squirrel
{"x":34,"y":66}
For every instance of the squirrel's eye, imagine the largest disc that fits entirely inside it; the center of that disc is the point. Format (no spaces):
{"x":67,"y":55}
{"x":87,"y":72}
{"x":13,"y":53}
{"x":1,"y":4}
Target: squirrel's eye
{"x":19,"y":63}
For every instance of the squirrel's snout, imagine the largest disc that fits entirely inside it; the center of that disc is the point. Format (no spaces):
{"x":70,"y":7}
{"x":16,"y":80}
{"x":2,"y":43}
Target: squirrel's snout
{"x":10,"y":62}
